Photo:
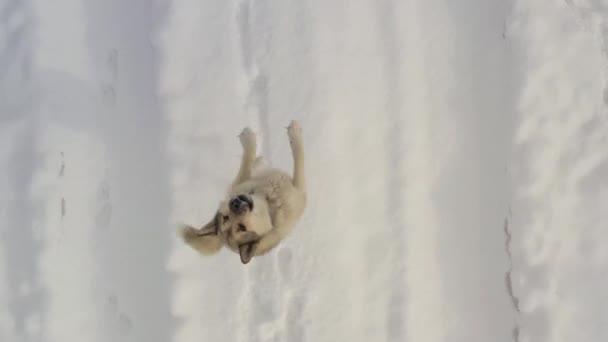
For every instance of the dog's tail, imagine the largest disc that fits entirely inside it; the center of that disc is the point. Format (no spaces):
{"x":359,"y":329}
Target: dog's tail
{"x":205,"y":245}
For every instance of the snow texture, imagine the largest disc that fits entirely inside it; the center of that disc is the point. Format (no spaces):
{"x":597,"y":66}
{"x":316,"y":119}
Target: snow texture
{"x":457,"y":169}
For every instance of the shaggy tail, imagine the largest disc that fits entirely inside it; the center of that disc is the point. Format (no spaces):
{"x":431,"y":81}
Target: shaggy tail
{"x":205,"y":245}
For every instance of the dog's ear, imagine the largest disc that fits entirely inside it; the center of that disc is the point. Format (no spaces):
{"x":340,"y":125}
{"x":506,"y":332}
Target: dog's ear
{"x":210,"y":228}
{"x":247,"y":251}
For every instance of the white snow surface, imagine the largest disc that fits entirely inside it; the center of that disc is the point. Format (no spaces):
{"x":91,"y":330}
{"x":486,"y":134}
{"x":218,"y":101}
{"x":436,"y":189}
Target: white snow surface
{"x":457,"y":169}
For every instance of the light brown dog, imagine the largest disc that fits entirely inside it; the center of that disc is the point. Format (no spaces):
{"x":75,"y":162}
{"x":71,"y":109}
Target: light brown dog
{"x":261,"y":206}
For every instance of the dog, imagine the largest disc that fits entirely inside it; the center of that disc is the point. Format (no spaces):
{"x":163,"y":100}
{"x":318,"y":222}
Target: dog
{"x":261,"y":206}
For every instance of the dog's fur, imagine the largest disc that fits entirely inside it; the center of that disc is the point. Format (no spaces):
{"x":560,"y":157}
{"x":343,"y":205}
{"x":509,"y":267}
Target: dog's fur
{"x":261,"y":206}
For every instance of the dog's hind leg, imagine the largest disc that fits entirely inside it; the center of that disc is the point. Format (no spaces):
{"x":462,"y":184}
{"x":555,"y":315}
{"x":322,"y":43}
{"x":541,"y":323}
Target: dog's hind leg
{"x":248,"y":141}
{"x":294,"y":131}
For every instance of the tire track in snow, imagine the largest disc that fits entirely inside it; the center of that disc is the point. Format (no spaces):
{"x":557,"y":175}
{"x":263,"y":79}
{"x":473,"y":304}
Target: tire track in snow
{"x":462,"y":142}
{"x":350,"y":272}
{"x":7,"y":320}
{"x":70,"y":155}
{"x":119,"y":38}
{"x":261,"y":287}
{"x":67,"y":256}
{"x":366,"y":64}
{"x":16,"y":24}
{"x":23,"y":297}
{"x":424,"y":309}
{"x":271,"y":33}
{"x":291,"y":260}
{"x":118,"y":324}
{"x":389,"y":35}
{"x":199,"y":85}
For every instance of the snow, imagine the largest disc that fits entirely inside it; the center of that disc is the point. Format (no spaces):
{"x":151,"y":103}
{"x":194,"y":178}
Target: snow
{"x":457,"y":169}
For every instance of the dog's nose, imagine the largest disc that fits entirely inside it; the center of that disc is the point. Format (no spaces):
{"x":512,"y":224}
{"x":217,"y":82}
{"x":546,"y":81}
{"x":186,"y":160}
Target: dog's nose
{"x":240,"y":203}
{"x":237,"y":205}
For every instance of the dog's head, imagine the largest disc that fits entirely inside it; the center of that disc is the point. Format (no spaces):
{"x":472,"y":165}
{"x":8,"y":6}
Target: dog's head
{"x":242,"y":221}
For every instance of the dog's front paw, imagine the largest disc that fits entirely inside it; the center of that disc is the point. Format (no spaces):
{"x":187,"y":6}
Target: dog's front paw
{"x":294,"y":131}
{"x":247,"y":137}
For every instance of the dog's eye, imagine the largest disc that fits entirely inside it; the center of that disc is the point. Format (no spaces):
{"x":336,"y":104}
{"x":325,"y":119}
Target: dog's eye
{"x":226,"y":218}
{"x":242,"y":228}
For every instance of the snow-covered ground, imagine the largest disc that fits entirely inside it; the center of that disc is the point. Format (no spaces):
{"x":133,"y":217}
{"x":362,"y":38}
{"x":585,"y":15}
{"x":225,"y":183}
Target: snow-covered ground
{"x":457,"y":162}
